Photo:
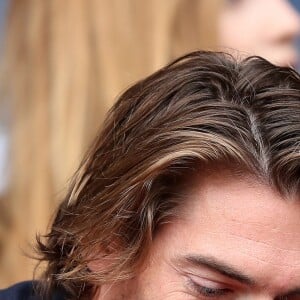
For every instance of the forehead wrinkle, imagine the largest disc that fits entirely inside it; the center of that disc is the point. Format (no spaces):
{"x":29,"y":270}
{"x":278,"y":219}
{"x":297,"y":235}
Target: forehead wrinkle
{"x":263,"y":243}
{"x":261,"y":250}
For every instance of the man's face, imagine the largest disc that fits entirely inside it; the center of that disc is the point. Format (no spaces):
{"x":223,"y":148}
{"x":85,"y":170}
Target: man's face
{"x":234,"y":239}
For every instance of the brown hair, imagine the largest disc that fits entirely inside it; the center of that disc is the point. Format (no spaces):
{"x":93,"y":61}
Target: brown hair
{"x":65,"y":62}
{"x":203,"y":108}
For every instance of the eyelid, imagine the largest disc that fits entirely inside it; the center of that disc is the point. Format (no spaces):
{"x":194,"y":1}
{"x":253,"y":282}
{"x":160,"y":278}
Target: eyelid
{"x":206,"y":290}
{"x":210,"y":283}
{"x":205,"y":272}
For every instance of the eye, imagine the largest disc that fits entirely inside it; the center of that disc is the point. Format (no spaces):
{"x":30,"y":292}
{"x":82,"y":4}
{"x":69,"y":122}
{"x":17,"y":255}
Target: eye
{"x":208,"y":291}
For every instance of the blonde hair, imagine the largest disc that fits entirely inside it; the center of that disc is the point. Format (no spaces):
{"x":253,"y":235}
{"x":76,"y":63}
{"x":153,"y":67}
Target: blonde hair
{"x":65,"y":62}
{"x":205,"y":109}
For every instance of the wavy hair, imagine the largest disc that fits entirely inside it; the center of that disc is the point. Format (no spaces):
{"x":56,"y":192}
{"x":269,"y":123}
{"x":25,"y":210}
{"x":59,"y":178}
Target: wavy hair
{"x":65,"y":62}
{"x":204,"y":108}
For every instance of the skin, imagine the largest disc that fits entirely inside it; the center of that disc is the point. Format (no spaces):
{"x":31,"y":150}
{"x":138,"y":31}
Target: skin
{"x":235,"y":237}
{"x":267,"y":28}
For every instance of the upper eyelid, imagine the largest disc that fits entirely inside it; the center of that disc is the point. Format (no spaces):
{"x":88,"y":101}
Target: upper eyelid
{"x":187,"y":273}
{"x":205,"y":279}
{"x":200,"y":289}
{"x":194,"y":262}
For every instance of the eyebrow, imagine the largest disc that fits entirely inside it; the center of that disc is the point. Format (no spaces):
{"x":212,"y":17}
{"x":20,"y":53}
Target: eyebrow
{"x":219,"y":267}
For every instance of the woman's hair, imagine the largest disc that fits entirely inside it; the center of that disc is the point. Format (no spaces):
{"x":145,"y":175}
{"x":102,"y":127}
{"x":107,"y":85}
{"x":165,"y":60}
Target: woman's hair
{"x":203,"y":109}
{"x":65,"y":63}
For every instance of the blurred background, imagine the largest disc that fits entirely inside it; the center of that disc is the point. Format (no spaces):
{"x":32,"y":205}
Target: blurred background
{"x":64,"y":62}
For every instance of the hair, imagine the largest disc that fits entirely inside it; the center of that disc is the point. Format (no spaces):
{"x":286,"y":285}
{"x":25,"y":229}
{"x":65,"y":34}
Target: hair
{"x":65,"y":63}
{"x":205,"y":108}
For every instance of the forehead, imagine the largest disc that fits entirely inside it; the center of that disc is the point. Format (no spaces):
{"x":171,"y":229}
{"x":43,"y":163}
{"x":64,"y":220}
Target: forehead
{"x":242,"y":222}
{"x":240,"y":203}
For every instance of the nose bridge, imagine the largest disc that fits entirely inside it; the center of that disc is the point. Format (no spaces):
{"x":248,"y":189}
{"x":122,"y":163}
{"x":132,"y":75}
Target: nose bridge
{"x":289,"y":18}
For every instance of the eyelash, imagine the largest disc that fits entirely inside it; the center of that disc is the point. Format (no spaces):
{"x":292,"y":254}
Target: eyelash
{"x":208,"y":292}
